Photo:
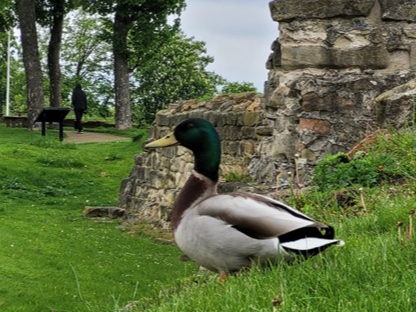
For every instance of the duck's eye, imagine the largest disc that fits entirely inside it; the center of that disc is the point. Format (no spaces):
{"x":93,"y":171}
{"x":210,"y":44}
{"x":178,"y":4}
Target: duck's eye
{"x":190,"y":125}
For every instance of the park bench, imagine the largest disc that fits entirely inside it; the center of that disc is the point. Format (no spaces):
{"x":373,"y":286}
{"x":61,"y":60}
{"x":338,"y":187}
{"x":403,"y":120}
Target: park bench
{"x":15,"y":121}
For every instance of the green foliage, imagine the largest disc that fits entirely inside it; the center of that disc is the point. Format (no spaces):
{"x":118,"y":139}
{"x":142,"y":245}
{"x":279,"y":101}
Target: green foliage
{"x":174,"y":70}
{"x":48,"y":10}
{"x":17,"y":76}
{"x":165,"y":66}
{"x":238,"y":87}
{"x":7,"y":15}
{"x":86,"y":58}
{"x":389,"y":162}
{"x":237,"y":177}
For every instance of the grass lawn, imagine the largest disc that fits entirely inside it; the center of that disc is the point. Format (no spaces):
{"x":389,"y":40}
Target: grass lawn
{"x":51,"y":258}
{"x":374,"y":271}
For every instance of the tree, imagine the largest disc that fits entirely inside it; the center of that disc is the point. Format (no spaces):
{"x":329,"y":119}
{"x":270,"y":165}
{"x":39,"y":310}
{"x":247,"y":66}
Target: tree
{"x":34,"y":77}
{"x":141,"y":19}
{"x":171,"y":70}
{"x":238,"y":87}
{"x":122,"y":23}
{"x":51,"y":13}
{"x":87,"y":59}
{"x":7,"y":15}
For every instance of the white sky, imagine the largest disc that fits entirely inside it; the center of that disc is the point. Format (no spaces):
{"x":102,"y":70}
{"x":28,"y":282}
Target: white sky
{"x":237,"y":33}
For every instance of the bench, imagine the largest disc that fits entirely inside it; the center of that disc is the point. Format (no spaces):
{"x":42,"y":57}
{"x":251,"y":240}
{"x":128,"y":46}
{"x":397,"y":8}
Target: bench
{"x":16,"y":121}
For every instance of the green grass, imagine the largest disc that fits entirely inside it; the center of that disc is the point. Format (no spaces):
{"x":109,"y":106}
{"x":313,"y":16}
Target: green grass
{"x":52,"y":258}
{"x":374,"y":271}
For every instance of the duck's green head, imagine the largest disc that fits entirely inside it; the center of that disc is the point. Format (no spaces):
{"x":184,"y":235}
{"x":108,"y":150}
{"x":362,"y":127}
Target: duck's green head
{"x":199,"y":136}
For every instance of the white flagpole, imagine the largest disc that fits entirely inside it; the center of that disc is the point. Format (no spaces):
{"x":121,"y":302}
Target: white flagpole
{"x":8,"y":76}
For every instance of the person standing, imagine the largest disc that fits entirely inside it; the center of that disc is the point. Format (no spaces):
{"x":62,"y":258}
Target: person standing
{"x":79,"y":102}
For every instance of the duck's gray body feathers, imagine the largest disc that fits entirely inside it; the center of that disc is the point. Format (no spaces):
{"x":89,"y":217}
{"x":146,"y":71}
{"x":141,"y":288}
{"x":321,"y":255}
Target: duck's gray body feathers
{"x":228,"y":232}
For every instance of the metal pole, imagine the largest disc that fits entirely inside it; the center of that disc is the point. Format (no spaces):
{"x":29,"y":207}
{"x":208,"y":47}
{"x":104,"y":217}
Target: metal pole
{"x":8,"y":76}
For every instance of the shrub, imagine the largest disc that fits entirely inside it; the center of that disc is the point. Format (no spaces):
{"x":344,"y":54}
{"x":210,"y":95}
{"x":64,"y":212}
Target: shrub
{"x":337,"y":171}
{"x":390,"y":160}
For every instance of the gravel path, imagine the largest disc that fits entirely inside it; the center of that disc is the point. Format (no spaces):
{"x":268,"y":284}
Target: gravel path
{"x":91,"y":137}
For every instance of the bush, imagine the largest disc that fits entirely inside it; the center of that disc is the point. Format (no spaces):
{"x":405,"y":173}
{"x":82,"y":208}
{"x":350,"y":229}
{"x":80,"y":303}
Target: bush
{"x":337,"y":171}
{"x":388,"y":161}
{"x":238,"y":87}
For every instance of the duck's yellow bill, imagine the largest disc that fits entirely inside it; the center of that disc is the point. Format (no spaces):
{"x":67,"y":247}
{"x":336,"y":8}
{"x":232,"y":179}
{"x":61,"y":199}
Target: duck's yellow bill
{"x":167,"y":140}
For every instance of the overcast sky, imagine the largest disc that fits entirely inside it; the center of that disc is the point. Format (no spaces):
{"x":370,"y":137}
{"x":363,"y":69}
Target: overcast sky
{"x":237,"y":33}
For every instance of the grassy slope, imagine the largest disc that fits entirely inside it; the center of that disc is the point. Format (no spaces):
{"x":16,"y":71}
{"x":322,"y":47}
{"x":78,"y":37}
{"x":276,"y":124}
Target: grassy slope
{"x":52,"y":259}
{"x":47,"y":247}
{"x":374,"y":271}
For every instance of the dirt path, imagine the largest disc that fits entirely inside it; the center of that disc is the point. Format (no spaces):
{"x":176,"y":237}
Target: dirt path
{"x":91,"y":137}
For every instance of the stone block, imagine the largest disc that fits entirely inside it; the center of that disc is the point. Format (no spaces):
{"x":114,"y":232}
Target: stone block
{"x":399,"y":10}
{"x":395,"y":107}
{"x":177,"y":118}
{"x":370,"y":56}
{"x":284,"y":10}
{"x":197,"y":114}
{"x":226,"y":106}
{"x":308,"y":154}
{"x":311,"y":101}
{"x":232,"y":119}
{"x":211,"y":116}
{"x":409,"y":30}
{"x":231,"y":148}
{"x":398,"y":61}
{"x":319,"y":126}
{"x":142,"y":173}
{"x":248,"y":133}
{"x":244,"y":97}
{"x":247,"y":147}
{"x":103,"y":212}
{"x":189,"y":105}
{"x":162,"y":119}
{"x":139,"y":160}
{"x":215,"y":104}
{"x":393,"y":34}
{"x":251,"y":118}
{"x":232,"y":133}
{"x":305,"y":55}
{"x":264,"y":131}
{"x":169,"y":152}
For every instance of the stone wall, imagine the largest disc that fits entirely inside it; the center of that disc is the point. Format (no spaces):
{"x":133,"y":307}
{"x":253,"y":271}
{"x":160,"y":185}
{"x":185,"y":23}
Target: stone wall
{"x":331,"y":60}
{"x":148,"y":193}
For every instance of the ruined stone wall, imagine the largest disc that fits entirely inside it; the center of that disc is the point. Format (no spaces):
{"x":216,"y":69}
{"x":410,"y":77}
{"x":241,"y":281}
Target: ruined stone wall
{"x":331,"y":60}
{"x":149,"y":192}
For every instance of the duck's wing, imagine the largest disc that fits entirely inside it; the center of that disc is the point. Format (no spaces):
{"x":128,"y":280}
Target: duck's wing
{"x":261,"y":217}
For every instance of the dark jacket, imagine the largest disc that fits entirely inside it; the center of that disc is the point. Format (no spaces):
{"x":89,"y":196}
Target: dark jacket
{"x":79,"y":99}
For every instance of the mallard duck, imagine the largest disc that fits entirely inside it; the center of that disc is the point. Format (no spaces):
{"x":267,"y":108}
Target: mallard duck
{"x":228,"y":232}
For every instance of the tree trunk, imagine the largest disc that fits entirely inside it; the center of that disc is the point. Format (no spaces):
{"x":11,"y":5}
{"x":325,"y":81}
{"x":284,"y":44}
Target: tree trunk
{"x":121,"y":69}
{"x":33,"y":70}
{"x":54,"y":48}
